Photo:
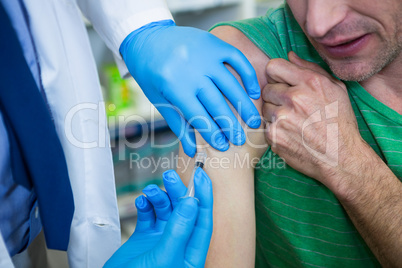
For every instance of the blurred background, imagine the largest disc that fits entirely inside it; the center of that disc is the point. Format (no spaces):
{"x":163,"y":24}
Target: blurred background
{"x":143,"y":147}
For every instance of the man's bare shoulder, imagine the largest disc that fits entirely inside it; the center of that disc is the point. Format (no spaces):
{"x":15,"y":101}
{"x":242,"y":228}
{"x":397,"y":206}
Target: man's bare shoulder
{"x":232,"y":173}
{"x":232,"y":36}
{"x":239,"y":40}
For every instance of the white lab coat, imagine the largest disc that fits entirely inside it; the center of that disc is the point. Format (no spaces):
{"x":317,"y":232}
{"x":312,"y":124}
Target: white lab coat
{"x":70,"y":78}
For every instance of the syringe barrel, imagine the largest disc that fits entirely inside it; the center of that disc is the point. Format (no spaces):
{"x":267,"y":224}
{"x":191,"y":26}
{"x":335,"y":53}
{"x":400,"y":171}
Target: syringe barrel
{"x":200,"y":159}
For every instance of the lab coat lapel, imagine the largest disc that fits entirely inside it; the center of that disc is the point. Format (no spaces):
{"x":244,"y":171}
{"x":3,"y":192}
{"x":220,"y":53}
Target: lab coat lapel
{"x":70,"y":80}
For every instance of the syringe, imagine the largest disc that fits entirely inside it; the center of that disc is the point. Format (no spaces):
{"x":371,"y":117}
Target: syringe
{"x":200,"y":159}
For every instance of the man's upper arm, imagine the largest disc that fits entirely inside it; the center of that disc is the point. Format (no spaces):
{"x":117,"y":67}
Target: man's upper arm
{"x":232,"y":175}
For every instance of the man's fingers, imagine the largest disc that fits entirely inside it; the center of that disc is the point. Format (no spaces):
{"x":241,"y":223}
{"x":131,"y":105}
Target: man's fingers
{"x":179,"y":228}
{"x":276,"y":93}
{"x":243,"y":67}
{"x":160,"y":202}
{"x":145,"y":213}
{"x":198,"y":245}
{"x":236,"y":95}
{"x":294,"y":58}
{"x":270,"y":112}
{"x":217,"y":107}
{"x":283,"y":71}
{"x":174,"y":186}
{"x":294,"y":71}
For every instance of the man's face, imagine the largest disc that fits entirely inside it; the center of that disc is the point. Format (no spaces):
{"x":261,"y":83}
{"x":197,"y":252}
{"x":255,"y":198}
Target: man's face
{"x":357,"y":38}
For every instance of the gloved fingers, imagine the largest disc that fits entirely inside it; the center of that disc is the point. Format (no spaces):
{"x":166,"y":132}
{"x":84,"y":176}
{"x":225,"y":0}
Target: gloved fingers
{"x":179,"y":228}
{"x":186,"y":136}
{"x":198,"y":244}
{"x":145,"y":214}
{"x":203,"y":192}
{"x":217,"y":107}
{"x":178,"y":125}
{"x":236,"y":95}
{"x":161,"y":203}
{"x":174,"y":186}
{"x":199,"y":118}
{"x":243,"y":67}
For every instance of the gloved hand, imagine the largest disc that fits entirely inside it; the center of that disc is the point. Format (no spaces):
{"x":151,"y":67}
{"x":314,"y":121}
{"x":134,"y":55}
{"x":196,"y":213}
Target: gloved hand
{"x":181,"y":71}
{"x":170,"y":232}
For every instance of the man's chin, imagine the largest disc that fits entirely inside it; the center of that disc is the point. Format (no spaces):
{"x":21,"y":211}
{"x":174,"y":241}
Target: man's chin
{"x":363,"y":67}
{"x":351,"y":71}
{"x":352,"y":75}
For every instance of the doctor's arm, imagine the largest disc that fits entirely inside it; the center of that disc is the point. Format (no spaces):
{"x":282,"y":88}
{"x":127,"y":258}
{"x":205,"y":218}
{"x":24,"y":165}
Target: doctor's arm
{"x":115,"y":20}
{"x":232,"y":176}
{"x":178,"y":68}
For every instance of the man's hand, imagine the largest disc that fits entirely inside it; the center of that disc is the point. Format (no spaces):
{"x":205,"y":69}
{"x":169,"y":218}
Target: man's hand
{"x":170,"y":232}
{"x":312,"y":126}
{"x":310,"y":121}
{"x":181,"y":71}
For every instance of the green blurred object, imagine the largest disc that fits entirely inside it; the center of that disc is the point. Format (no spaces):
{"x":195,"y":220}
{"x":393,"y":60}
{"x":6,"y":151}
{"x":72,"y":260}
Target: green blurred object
{"x":135,"y":168}
{"x":119,"y":96}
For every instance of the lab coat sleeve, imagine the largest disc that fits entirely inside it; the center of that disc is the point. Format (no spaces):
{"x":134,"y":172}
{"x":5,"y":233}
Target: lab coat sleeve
{"x":114,"y":20}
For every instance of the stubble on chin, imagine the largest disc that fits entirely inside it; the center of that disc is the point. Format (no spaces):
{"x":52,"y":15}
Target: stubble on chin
{"x":349,"y":69}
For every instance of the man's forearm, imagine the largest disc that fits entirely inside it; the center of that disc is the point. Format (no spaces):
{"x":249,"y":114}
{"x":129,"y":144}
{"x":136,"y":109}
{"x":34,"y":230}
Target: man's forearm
{"x":373,"y":200}
{"x":371,"y":194}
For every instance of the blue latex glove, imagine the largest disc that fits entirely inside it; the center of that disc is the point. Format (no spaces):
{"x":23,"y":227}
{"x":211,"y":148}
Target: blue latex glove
{"x":181,"y":71}
{"x":170,"y":232}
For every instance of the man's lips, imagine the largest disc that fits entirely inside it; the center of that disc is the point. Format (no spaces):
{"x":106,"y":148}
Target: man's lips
{"x":346,"y":48}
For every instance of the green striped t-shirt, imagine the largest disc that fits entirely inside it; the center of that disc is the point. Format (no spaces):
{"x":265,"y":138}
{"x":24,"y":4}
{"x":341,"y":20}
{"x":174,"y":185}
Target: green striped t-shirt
{"x":300,"y":222}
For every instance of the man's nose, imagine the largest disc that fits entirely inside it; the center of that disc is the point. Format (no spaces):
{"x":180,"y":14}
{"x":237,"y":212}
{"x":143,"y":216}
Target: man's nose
{"x":323,"y":15}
